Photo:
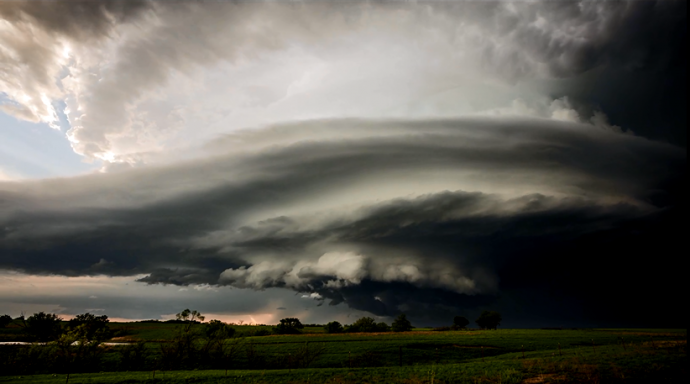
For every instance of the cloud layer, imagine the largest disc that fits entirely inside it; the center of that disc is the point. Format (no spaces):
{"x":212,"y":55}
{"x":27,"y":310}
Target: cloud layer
{"x":141,"y":77}
{"x":423,"y":216}
{"x":432,"y":158}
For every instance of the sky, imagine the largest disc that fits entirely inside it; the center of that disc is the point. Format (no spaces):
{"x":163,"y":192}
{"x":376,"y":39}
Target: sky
{"x":329,"y":160}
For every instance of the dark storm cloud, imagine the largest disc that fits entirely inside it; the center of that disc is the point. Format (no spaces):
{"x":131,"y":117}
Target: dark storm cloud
{"x":421,"y":248}
{"x":636,"y":70}
{"x":428,"y":217}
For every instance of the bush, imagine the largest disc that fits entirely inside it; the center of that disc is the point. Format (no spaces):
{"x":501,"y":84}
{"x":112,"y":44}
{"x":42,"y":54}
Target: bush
{"x":460,"y":322}
{"x":5,"y":320}
{"x":93,"y":327}
{"x":382,"y":327}
{"x":288,"y":326}
{"x":489,"y":320}
{"x":219,"y":330}
{"x":76,"y":353}
{"x":27,"y":359}
{"x":401,"y":324}
{"x":367,"y":324}
{"x":333,"y":327}
{"x":43,"y":326}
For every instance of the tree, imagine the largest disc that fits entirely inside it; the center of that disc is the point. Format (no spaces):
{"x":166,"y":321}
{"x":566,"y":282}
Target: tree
{"x":77,"y":352}
{"x":460,"y":322}
{"x":43,"y":326}
{"x":367,"y":324}
{"x":290,"y":325}
{"x":216,"y":329}
{"x":189,"y":317}
{"x":182,"y":350}
{"x":216,"y":346}
{"x":401,"y":324}
{"x":5,"y":320}
{"x":382,"y":327}
{"x":91,"y":326}
{"x":489,"y":320}
{"x":192,"y":316}
{"x":333,"y":327}
{"x":364,"y":324}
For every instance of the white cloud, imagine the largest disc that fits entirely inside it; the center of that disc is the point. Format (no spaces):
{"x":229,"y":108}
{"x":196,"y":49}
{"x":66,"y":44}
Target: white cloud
{"x":341,"y":269}
{"x":159,"y":81}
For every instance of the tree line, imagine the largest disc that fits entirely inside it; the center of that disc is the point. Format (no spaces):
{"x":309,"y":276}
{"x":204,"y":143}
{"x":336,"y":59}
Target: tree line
{"x":78,"y":345}
{"x":43,"y":326}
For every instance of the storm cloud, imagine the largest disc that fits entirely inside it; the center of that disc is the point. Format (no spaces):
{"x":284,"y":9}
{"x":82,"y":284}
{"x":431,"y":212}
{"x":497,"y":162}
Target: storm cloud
{"x":431,"y":158}
{"x":426,"y":217}
{"x":127,"y":75}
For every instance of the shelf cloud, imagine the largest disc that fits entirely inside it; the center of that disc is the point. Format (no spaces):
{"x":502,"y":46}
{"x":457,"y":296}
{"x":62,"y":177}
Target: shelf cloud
{"x":384,"y":157}
{"x":348,"y":209}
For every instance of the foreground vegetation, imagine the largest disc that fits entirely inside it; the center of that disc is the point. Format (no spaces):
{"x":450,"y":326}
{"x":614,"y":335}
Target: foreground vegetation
{"x":187,"y":350}
{"x":655,"y":360}
{"x":466,"y":356}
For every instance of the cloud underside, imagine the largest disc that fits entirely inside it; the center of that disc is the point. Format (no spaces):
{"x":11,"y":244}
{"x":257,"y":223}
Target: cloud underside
{"x":133,"y":77}
{"x":387,"y":216}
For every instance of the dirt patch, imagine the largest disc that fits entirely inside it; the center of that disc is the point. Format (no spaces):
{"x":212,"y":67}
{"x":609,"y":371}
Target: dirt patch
{"x":122,"y":339}
{"x":546,"y":378}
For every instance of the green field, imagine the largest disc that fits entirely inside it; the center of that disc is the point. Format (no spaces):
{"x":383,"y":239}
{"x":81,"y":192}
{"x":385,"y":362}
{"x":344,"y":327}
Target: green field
{"x":468,"y":356}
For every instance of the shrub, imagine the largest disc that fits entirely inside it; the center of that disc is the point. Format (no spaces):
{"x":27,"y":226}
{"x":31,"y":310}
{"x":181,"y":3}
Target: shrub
{"x":43,"y":326}
{"x":382,"y":327}
{"x":489,"y":320}
{"x":288,"y":326}
{"x":218,"y":330}
{"x":5,"y":320}
{"x":92,"y":327}
{"x":401,"y":324}
{"x":367,"y":324}
{"x":333,"y":327}
{"x":460,"y":322}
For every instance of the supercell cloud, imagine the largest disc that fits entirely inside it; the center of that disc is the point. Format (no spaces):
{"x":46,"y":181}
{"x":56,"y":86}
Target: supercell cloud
{"x":334,"y":206}
{"x":431,"y":158}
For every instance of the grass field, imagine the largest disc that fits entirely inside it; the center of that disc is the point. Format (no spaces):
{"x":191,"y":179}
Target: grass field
{"x":427,"y":347}
{"x":472,"y":356}
{"x":659,"y":362}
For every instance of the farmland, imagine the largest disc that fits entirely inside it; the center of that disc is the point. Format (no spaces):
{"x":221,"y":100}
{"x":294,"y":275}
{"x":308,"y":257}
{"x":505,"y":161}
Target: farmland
{"x":419,"y":356}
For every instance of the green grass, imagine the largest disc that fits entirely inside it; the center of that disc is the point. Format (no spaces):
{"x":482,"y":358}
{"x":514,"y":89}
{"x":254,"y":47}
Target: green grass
{"x":642,"y":362}
{"x":446,"y":347}
{"x":166,"y":331}
{"x":598,"y":355}
{"x":423,"y":347}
